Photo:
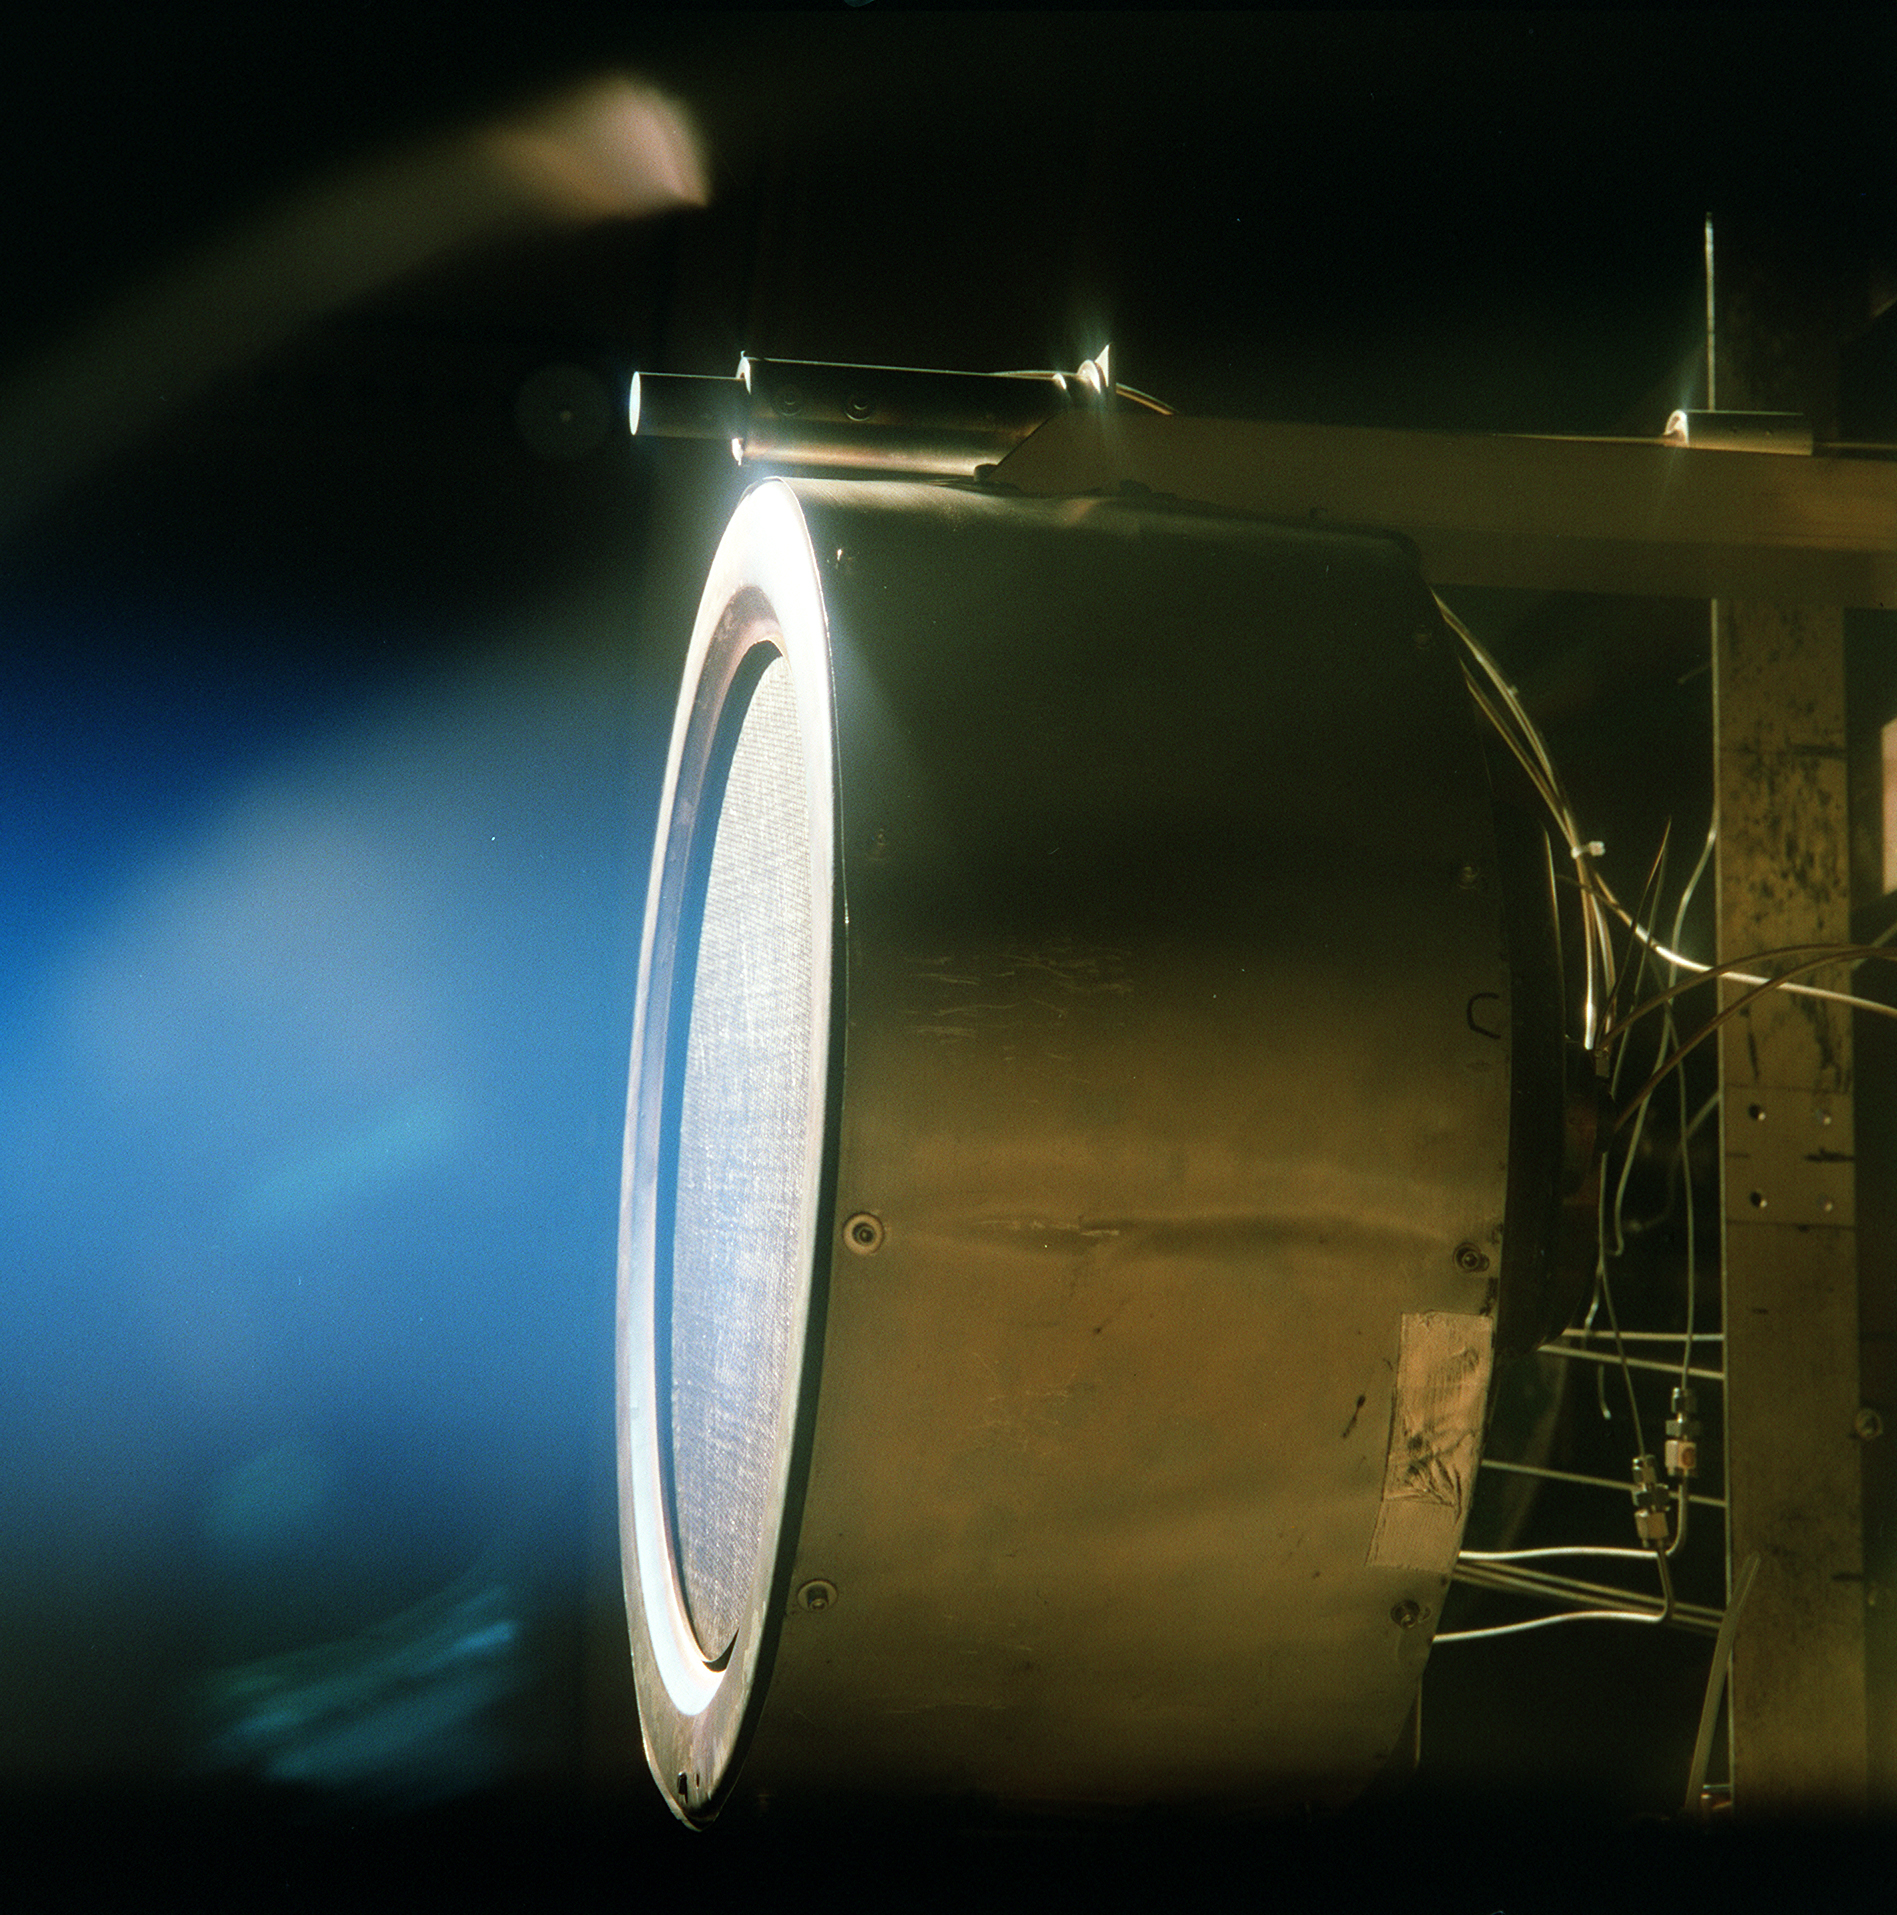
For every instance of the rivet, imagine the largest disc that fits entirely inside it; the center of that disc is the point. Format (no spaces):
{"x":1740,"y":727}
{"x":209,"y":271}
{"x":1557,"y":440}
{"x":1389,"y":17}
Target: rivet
{"x":788,"y":399}
{"x":1757,"y":1200}
{"x":1756,"y":1112}
{"x":1867,"y":1424}
{"x":1469,"y":1258}
{"x":1423,"y":639}
{"x":1468,"y":877}
{"x":859,"y":405}
{"x":816,"y":1594}
{"x":864,"y":1233}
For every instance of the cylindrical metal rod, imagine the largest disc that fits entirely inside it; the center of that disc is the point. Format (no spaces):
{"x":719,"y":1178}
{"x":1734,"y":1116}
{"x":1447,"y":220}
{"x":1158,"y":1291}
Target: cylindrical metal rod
{"x":1571,"y":1476}
{"x":1712,"y":352}
{"x":858,"y":418}
{"x":686,"y":405}
{"x":1649,"y":1336}
{"x":1574,"y":1355}
{"x":870,"y":419}
{"x":1716,"y":1684}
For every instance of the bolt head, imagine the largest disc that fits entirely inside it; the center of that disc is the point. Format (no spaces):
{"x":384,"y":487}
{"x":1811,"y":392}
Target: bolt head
{"x":1408,"y":1613}
{"x":816,"y":1594}
{"x":1867,"y":1424}
{"x":1469,"y":1258}
{"x":864,"y":1233}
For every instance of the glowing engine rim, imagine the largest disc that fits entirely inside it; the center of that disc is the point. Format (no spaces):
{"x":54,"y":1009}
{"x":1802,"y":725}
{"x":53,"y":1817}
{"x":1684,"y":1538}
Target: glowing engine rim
{"x":762,"y":591}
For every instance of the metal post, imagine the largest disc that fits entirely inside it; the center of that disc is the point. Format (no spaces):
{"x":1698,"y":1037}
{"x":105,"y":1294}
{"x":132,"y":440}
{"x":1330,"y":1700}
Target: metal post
{"x":1797,"y":1706}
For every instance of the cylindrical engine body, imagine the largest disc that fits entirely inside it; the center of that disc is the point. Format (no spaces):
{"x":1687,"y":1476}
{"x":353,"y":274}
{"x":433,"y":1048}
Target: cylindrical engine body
{"x":1067,"y":1160}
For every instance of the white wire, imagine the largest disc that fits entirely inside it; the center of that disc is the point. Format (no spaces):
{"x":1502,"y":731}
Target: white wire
{"x":1669,"y":956}
{"x":1548,"y":1622}
{"x":1597,"y":948}
{"x":1525,"y":741}
{"x":1667,"y":1032}
{"x":1604,"y":1293}
{"x":1561,"y":1549}
{"x":1640,"y":1120}
{"x":1597,"y":945}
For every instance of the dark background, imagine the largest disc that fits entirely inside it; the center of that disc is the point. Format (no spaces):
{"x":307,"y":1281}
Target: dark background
{"x":335,"y":701}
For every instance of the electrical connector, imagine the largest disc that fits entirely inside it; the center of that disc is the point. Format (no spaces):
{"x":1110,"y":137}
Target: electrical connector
{"x":1682,"y":1434}
{"x":1652,"y":1503}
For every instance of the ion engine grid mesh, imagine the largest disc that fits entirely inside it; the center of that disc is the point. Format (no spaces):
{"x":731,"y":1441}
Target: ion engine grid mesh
{"x":744,"y":1162}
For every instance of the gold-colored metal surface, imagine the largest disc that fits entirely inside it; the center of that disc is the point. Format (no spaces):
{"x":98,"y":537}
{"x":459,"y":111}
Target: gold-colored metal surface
{"x":1790,"y":1288}
{"x":1169,"y":880}
{"x":1578,"y":515}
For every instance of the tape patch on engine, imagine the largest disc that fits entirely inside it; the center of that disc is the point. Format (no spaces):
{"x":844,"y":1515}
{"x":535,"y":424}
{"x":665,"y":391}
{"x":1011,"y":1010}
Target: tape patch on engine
{"x":1442,"y":1380}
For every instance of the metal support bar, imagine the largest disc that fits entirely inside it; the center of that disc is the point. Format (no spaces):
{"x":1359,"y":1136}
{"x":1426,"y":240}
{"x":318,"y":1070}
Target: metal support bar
{"x":1643,"y":1336}
{"x":1583,"y":515}
{"x":1791,"y":1314}
{"x":1572,"y":1476}
{"x":1575,"y":1355}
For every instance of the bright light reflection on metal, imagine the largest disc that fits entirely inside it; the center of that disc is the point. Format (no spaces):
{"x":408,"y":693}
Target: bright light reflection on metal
{"x":767,"y":546}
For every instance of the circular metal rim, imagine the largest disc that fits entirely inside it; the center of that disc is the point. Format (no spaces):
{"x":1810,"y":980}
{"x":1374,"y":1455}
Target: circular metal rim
{"x":695,"y":1713}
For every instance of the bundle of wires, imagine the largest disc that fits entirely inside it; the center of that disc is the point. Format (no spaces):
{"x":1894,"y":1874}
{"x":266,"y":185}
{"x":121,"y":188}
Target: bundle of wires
{"x":1501,"y":705}
{"x":1606,"y":1029}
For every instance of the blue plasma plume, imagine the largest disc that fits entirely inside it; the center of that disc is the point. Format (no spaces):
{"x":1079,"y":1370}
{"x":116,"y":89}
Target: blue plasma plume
{"x":314,"y":994}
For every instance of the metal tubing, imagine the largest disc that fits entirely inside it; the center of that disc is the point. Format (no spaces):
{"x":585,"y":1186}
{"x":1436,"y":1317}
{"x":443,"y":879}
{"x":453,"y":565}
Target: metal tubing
{"x":1660,"y":1336}
{"x":1572,"y":1590}
{"x":1632,"y":1362}
{"x":1715,"y":1686}
{"x":1571,"y":1476}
